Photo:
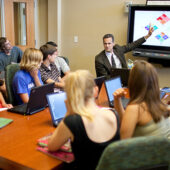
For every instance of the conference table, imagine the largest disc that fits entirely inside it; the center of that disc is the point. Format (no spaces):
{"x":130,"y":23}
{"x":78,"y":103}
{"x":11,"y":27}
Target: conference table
{"x":18,"y":140}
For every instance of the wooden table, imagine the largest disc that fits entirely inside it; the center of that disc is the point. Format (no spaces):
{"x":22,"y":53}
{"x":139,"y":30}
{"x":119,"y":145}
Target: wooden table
{"x":18,"y":141}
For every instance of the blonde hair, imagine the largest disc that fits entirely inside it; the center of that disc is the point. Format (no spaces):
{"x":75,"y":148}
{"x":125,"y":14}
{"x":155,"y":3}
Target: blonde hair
{"x":31,"y":59}
{"x":79,"y":87}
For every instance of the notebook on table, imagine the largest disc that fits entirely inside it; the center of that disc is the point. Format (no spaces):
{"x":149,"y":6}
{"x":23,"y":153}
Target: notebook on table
{"x":111,"y":86}
{"x":37,"y":100}
{"x":56,"y":103}
{"x":123,"y":73}
{"x":99,"y":81}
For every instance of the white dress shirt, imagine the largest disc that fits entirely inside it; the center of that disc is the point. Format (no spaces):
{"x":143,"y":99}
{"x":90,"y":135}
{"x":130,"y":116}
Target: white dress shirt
{"x":116,"y":59}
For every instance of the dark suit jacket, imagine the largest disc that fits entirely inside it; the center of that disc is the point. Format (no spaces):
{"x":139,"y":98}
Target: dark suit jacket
{"x":102,"y":64}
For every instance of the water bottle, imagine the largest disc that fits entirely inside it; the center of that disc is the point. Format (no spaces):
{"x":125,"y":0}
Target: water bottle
{"x":130,"y":63}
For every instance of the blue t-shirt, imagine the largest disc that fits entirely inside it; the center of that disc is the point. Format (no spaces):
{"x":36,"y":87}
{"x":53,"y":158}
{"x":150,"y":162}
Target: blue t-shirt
{"x":22,"y":83}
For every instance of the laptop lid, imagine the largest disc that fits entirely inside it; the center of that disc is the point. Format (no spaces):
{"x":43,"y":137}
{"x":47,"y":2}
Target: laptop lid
{"x":56,"y":103}
{"x":123,"y":73}
{"x":99,"y":81}
{"x":37,"y":100}
{"x":112,"y":85}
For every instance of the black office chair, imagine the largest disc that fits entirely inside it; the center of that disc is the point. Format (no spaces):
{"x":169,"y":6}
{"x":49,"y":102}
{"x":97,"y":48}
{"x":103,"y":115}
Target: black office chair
{"x":10,"y":71}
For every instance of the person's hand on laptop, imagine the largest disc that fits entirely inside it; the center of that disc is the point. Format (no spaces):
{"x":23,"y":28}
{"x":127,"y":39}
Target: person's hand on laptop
{"x":119,"y":93}
{"x":61,"y":83}
{"x":5,"y":105}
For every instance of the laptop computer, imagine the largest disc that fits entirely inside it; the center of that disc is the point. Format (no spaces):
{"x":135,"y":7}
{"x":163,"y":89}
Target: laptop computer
{"x":111,"y":86}
{"x":99,"y":81}
{"x":57,"y":106}
{"x":37,"y":100}
{"x":123,"y":73}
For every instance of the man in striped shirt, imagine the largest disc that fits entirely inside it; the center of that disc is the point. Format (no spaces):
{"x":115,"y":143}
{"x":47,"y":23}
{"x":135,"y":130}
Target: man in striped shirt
{"x":48,"y":69}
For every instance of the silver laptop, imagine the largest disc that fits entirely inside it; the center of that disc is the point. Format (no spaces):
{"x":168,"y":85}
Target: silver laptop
{"x":111,"y":86}
{"x":56,"y":103}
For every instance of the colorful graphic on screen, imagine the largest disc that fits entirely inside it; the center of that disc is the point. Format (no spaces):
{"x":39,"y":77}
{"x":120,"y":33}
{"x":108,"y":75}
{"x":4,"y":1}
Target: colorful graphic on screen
{"x":162,"y":36}
{"x":163,"y":19}
{"x":160,"y":21}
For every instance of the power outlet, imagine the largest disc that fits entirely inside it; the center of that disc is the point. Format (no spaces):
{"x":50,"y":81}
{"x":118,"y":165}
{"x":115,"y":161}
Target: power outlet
{"x":76,"y":39}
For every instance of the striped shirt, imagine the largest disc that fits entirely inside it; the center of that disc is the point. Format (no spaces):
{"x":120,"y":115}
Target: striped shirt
{"x":49,"y":73}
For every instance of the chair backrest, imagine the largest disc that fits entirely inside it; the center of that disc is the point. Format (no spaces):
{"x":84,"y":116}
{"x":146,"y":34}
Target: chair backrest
{"x":10,"y":71}
{"x":137,"y":153}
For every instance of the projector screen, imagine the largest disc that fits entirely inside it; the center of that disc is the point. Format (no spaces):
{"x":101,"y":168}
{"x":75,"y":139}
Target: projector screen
{"x":158,"y":17}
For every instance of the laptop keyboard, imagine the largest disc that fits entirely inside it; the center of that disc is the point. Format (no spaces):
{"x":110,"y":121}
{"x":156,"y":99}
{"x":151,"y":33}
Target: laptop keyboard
{"x":21,"y":108}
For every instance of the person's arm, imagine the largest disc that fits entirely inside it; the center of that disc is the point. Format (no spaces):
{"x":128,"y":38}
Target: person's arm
{"x":118,"y":103}
{"x":59,"y":137}
{"x":135,"y":44}
{"x":149,"y":32}
{"x":129,"y":121}
{"x":34,"y":74}
{"x":4,"y":104}
{"x":24,"y":97}
{"x":59,"y":84}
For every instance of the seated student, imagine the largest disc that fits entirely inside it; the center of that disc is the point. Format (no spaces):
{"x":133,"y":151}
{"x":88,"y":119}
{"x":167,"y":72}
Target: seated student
{"x":146,"y":114}
{"x":89,"y":127}
{"x":3,"y":103}
{"x":48,"y":69}
{"x":28,"y":76}
{"x":61,"y":64}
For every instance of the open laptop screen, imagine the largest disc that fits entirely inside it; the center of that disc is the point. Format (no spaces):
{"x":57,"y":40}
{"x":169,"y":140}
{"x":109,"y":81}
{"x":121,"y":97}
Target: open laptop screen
{"x":57,"y":106}
{"x":123,"y":73}
{"x":111,"y":86}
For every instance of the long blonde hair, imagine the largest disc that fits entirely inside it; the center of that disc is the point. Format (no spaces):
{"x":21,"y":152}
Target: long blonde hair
{"x":31,"y":59}
{"x":144,"y":87}
{"x":79,"y":86}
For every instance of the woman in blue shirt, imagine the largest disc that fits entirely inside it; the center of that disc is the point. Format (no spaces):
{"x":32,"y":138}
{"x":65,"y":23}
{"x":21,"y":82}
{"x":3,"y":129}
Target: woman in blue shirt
{"x":28,"y":76}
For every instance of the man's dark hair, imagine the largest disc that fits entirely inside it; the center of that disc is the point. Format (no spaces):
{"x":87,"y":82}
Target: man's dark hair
{"x":108,"y":36}
{"x":47,"y":49}
{"x":2,"y":43}
{"x":52,"y":43}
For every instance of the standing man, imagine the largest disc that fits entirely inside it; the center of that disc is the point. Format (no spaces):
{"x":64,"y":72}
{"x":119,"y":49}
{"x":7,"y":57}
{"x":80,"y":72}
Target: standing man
{"x":8,"y":54}
{"x":113,"y":55}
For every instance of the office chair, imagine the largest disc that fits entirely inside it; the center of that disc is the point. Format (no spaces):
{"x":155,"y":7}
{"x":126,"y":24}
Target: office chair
{"x":140,"y":153}
{"x":10,"y":71}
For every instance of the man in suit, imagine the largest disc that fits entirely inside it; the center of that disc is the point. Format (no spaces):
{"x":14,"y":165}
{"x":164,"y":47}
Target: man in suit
{"x":113,"y":54}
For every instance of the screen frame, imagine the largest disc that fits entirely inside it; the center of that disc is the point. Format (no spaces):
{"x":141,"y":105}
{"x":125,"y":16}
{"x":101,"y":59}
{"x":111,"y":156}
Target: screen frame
{"x":131,"y":18}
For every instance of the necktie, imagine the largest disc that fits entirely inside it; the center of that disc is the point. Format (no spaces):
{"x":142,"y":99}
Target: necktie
{"x":113,"y":62}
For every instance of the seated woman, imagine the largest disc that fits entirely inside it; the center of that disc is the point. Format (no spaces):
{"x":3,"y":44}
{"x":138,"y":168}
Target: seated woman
{"x":28,"y":76}
{"x":89,"y":127}
{"x":3,"y":103}
{"x":146,"y":114}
